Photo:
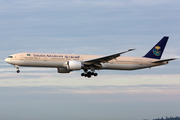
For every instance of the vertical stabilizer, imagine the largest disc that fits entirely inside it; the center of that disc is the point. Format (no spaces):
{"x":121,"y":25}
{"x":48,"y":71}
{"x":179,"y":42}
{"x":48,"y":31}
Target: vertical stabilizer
{"x":157,"y":51}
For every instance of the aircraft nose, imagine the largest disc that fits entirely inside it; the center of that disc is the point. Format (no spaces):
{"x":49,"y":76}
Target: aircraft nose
{"x":7,"y":60}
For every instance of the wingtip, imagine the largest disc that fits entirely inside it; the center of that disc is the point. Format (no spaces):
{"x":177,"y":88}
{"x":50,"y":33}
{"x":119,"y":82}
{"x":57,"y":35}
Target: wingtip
{"x":131,"y":49}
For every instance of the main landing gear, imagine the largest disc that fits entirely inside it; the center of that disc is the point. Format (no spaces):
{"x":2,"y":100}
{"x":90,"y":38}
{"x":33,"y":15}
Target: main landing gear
{"x":88,"y":74}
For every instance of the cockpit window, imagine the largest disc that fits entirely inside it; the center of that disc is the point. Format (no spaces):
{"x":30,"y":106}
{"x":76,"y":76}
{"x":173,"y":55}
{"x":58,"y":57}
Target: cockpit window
{"x":10,"y":56}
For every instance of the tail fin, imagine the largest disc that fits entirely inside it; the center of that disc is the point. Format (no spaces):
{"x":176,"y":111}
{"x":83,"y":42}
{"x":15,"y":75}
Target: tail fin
{"x":157,"y":51}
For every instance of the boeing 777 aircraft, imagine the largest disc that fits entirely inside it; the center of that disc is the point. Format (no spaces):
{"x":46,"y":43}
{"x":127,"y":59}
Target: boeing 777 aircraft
{"x":65,"y":63}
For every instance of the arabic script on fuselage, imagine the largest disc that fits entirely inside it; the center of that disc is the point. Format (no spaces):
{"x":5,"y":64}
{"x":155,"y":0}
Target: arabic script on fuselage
{"x":58,"y":56}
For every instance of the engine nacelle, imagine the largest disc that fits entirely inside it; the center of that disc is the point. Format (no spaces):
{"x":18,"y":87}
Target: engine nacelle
{"x":74,"y":65}
{"x":63,"y":70}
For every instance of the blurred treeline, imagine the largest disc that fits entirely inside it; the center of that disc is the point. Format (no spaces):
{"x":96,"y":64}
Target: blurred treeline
{"x":170,"y":118}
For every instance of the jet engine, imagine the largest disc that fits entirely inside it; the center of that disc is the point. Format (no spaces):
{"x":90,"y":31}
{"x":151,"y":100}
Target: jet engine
{"x":63,"y":70}
{"x":74,"y":65}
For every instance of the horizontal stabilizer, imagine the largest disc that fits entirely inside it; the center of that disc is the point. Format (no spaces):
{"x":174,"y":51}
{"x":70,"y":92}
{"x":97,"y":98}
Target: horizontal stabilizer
{"x":166,"y":60}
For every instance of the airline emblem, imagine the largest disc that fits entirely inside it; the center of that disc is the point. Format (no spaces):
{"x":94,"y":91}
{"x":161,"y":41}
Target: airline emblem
{"x":156,"y":51}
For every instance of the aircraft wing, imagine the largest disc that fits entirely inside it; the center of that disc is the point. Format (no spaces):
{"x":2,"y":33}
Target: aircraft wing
{"x":166,"y":60}
{"x":104,"y":59}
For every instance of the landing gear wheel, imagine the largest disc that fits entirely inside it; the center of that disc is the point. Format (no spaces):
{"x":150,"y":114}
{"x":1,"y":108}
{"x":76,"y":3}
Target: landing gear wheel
{"x":82,"y":74}
{"x":95,"y":74}
{"x":89,"y":75}
{"x":92,"y":73}
{"x":18,"y":71}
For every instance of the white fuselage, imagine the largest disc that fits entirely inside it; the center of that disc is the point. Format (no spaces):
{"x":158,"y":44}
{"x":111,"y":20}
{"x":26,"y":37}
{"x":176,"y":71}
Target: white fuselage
{"x":60,"y":61}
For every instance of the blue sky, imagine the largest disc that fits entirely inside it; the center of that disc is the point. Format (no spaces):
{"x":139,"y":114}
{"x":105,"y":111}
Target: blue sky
{"x":89,"y":27}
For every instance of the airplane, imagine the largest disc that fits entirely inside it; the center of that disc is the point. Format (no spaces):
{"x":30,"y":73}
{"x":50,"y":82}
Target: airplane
{"x":66,"y":63}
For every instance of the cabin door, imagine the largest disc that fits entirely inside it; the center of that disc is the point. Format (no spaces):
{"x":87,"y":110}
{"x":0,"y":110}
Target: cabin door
{"x":21,"y":58}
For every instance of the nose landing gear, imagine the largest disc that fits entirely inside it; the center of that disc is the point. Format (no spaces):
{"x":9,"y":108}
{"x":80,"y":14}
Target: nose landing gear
{"x":17,"y":67}
{"x":18,"y":71}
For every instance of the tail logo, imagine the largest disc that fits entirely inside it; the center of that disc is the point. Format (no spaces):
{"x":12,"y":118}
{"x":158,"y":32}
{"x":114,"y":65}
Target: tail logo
{"x":156,"y":51}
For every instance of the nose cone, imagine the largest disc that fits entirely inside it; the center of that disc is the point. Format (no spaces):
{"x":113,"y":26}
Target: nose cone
{"x":7,"y":60}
